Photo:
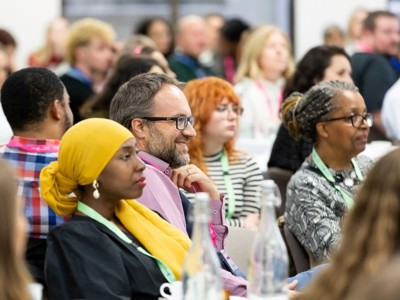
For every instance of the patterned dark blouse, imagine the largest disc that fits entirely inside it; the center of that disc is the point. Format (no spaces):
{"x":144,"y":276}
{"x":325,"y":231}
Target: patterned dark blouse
{"x":315,"y":209}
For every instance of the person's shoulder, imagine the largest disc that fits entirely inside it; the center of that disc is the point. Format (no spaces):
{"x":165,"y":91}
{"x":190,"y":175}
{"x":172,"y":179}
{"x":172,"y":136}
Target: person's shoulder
{"x":77,"y":226}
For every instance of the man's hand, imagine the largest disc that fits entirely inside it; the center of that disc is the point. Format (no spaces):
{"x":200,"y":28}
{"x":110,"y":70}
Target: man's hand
{"x":192,"y":179}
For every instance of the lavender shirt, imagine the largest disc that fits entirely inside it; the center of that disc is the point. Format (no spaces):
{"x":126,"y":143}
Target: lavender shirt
{"x":162,"y":196}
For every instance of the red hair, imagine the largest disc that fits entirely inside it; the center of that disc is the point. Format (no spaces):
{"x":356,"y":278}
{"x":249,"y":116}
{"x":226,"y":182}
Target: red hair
{"x":204,"y":95}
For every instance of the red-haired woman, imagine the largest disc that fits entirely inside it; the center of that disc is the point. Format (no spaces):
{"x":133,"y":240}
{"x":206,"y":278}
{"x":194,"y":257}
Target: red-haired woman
{"x":216,"y":109}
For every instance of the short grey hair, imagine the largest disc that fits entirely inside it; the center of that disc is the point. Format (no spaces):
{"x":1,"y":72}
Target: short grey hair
{"x":135,"y":98}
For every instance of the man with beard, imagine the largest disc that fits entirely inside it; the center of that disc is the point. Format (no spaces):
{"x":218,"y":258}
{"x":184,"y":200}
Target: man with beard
{"x":153,"y":107}
{"x":89,"y":52}
{"x":36,"y":105}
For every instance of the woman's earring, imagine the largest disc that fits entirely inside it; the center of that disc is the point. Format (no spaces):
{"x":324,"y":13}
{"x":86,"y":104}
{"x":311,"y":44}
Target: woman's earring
{"x":96,"y":193}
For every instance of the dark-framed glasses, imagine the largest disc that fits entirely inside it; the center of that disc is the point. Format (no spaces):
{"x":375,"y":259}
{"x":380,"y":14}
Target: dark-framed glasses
{"x":237,"y":109}
{"x":181,"y":122}
{"x":356,"y":120}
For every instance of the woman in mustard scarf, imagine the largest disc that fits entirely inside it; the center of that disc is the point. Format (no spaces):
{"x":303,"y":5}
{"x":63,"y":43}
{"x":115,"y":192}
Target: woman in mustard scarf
{"x":111,"y":248}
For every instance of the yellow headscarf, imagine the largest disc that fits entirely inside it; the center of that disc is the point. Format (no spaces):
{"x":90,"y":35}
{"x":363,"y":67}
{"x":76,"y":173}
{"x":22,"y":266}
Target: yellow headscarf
{"x":85,"y":150}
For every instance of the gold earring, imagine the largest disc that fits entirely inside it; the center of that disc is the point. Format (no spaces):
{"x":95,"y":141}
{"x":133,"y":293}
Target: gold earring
{"x":96,"y":193}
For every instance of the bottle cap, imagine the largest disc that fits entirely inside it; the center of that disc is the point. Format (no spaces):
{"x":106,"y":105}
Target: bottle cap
{"x":268,"y":183}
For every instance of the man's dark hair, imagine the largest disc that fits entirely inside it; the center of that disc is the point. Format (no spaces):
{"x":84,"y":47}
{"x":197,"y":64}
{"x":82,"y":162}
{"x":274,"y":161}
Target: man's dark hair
{"x":27,"y":94}
{"x":135,"y":98}
{"x":370,"y":21}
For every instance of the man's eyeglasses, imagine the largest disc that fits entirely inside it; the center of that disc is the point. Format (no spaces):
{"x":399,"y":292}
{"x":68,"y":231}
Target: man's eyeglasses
{"x":356,"y":120}
{"x":181,"y":122}
{"x":233,"y":108}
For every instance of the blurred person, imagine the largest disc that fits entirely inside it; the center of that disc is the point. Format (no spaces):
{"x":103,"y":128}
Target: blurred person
{"x":140,"y":45}
{"x":14,"y":275}
{"x":126,"y":68}
{"x":334,"y":36}
{"x":52,"y":53}
{"x":10,"y":44}
{"x":36,"y":104}
{"x":4,"y":68}
{"x":191,"y":41}
{"x":375,"y":72}
{"x":332,"y":115}
{"x":230,"y":42}
{"x":370,"y":238}
{"x":236,"y":174}
{"x":321,"y":63}
{"x":265,"y":65}
{"x":160,"y":31}
{"x":153,"y":107}
{"x":5,"y":132}
{"x":354,"y":42}
{"x":211,"y":56}
{"x":96,"y":179}
{"x":89,"y":52}
{"x":391,"y":112}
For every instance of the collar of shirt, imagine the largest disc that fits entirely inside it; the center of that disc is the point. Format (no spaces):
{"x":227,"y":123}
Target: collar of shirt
{"x":34,"y":145}
{"x":156,"y":163}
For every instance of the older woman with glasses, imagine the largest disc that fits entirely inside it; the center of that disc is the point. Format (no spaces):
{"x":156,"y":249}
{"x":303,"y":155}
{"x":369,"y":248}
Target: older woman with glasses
{"x":333,"y":116}
{"x":216,"y":109}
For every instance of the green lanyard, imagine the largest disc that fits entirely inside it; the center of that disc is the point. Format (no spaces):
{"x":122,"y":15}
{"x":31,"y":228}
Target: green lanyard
{"x":328,"y":175}
{"x":91,"y":213}
{"x":228,"y":185}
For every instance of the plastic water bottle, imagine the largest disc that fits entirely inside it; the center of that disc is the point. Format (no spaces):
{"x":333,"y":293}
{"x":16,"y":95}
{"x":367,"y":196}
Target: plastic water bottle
{"x":201,"y":274}
{"x":269,"y":263}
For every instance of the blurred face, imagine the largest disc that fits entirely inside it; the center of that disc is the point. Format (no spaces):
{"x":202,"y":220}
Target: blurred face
{"x":97,"y":56}
{"x":214,"y":25}
{"x":274,"y":56}
{"x":158,"y":57}
{"x":4,"y":69}
{"x":163,"y":139}
{"x":386,"y":35}
{"x":342,"y":136}
{"x":122,"y":178}
{"x":223,"y":123}
{"x":339,"y":69}
{"x":160,"y":33}
{"x":57,"y":36}
{"x":356,"y":26}
{"x":20,"y":228}
{"x":193,"y":38}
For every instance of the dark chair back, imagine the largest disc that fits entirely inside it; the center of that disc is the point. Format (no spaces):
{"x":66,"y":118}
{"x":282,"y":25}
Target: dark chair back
{"x":297,"y":251}
{"x":281,"y":178}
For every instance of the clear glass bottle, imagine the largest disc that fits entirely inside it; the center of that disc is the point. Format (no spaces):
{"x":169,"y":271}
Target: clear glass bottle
{"x":201,"y":273}
{"x":269,"y":262}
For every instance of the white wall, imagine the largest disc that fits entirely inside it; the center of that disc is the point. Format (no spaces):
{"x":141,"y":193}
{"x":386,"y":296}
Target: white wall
{"x":27,"y":20}
{"x":313,"y":16}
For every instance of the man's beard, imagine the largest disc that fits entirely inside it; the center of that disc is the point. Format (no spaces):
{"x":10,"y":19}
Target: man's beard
{"x":159,"y":147}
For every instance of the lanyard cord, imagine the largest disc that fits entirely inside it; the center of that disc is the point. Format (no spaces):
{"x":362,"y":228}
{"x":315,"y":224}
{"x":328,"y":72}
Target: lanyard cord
{"x":273,"y":111}
{"x":91,"y":213}
{"x":328,"y":175}
{"x":228,"y":185}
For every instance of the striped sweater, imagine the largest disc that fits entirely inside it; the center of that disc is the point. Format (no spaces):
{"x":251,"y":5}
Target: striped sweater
{"x":246,"y":180}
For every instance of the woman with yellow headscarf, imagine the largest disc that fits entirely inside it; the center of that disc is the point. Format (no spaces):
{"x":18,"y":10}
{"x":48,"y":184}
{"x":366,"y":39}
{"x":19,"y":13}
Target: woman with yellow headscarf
{"x":111,"y":248}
